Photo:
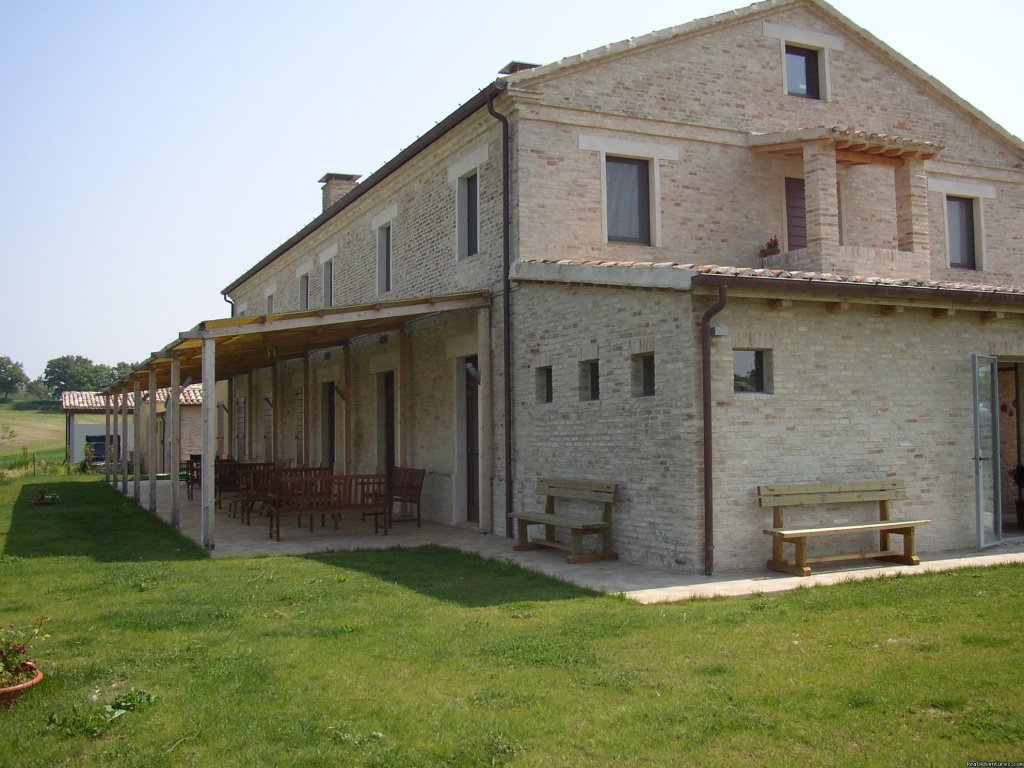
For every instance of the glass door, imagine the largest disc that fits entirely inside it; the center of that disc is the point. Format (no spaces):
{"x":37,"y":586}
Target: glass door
{"x":986,"y":449}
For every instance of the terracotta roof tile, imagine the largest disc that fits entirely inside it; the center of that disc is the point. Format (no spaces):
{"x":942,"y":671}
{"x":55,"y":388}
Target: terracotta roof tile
{"x":94,"y":401}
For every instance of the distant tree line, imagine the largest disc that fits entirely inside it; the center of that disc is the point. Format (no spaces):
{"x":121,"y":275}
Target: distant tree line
{"x":68,"y":373}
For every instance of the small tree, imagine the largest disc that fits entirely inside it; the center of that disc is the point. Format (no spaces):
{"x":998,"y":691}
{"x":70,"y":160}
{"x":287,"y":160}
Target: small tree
{"x":12,"y":377}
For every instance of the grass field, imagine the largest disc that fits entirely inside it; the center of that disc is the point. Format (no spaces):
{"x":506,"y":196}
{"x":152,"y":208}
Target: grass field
{"x":428,"y":657}
{"x":37,"y":424}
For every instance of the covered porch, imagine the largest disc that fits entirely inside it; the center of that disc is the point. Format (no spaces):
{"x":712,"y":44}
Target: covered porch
{"x":346,"y":388}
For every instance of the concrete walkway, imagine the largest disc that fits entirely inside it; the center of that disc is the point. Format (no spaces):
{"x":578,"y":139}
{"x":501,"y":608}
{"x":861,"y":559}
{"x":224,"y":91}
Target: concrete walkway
{"x":232,"y":538}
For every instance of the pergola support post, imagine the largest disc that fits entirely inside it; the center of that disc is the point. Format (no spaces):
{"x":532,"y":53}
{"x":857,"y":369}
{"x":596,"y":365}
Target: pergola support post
{"x":209,"y":440}
{"x":106,"y":437}
{"x":173,"y":437}
{"x":151,"y":443}
{"x":124,"y":439}
{"x":137,"y":438}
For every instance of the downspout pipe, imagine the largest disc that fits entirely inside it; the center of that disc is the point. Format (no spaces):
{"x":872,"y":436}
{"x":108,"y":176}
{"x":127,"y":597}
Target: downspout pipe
{"x":705,"y":372}
{"x":230,"y":302}
{"x":506,"y":292}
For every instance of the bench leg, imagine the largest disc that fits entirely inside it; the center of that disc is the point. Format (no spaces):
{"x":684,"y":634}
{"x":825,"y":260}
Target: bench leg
{"x":799,"y":565}
{"x":908,"y":557}
{"x":523,"y":537}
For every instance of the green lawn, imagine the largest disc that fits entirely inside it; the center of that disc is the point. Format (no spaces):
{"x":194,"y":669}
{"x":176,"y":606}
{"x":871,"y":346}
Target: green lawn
{"x":428,"y":657}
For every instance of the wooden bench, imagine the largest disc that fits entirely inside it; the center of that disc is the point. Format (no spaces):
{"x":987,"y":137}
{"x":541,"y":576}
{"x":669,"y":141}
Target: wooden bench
{"x":582,"y":490}
{"x":311,"y":493}
{"x":365,"y":494}
{"x":298,"y":496}
{"x":778,"y":497}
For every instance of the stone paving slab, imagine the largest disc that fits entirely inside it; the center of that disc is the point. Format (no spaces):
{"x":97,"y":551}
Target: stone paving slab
{"x":232,"y":538}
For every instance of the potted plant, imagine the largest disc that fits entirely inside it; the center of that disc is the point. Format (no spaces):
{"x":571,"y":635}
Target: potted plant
{"x":18,"y":671}
{"x":771,"y":247}
{"x":1017,"y":475}
{"x":44,"y":499}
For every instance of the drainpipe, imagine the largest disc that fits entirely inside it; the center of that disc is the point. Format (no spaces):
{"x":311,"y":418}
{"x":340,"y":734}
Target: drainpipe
{"x":506,"y":300}
{"x":709,"y":494}
{"x":229,"y":301}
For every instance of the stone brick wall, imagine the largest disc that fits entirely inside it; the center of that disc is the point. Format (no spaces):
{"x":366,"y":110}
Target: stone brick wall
{"x":700,"y":98}
{"x":856,"y":396}
{"x":423,"y":198}
{"x":645,"y":444}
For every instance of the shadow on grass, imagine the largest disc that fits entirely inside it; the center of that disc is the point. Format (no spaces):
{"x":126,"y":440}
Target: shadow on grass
{"x":90,"y":520}
{"x":454,"y":577}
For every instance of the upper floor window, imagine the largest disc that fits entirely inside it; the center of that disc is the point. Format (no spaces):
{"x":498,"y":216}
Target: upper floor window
{"x":961,"y":232}
{"x":803,"y":72}
{"x":304,"y":291}
{"x":384,"y":258}
{"x":468,"y":215}
{"x":328,"y":284}
{"x":805,"y":59}
{"x":629,"y":200}
{"x":270,"y":303}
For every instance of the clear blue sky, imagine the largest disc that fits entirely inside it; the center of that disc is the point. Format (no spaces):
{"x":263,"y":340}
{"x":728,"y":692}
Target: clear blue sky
{"x":154,"y":151}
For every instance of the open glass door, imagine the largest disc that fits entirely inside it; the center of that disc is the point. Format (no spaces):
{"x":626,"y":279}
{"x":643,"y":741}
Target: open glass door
{"x":986,"y":449}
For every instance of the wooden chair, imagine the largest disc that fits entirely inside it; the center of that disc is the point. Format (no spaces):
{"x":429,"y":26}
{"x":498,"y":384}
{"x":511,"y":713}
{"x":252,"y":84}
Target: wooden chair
{"x":193,"y":475}
{"x":405,"y":487}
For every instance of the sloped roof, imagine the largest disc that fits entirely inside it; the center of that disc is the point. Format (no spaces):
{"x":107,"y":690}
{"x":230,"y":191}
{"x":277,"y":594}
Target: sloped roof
{"x":86,"y":402}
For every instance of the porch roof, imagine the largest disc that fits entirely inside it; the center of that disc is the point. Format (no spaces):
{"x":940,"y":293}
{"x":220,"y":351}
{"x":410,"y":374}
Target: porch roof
{"x":688,"y":276}
{"x":245,"y":344}
{"x":852,"y":146}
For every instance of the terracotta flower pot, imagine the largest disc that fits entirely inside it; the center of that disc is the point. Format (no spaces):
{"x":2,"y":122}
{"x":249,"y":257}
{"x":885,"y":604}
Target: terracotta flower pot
{"x":770,"y":251}
{"x":7,"y":695}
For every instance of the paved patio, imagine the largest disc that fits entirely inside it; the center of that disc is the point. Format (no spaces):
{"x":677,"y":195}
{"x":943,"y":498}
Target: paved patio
{"x":232,"y":538}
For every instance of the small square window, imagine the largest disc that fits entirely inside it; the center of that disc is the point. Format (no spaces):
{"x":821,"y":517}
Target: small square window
{"x":328,"y":284}
{"x":590,"y":380}
{"x":961,"y":232}
{"x":802,"y":72}
{"x":643,"y":375}
{"x":545,"y":384}
{"x":752,"y":370}
{"x":384,"y":259}
{"x":303,"y":291}
{"x":629,"y":200}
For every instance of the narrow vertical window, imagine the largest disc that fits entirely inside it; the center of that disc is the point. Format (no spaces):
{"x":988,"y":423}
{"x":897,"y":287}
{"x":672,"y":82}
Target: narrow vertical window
{"x":961,"y":232}
{"x":270,"y":304}
{"x":303,"y":291}
{"x":384,"y":259}
{"x":802,"y":73}
{"x":328,"y":284}
{"x":629,"y":194}
{"x":796,"y":214}
{"x":590,"y":380}
{"x":468,"y":215}
{"x":643,"y":375}
{"x":545,"y":384}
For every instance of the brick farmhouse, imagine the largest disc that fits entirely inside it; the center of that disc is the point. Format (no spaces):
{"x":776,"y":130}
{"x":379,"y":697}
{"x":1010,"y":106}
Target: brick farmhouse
{"x":576,"y":274}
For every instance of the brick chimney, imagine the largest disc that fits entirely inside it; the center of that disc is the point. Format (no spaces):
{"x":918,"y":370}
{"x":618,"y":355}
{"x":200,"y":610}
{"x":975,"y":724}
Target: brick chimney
{"x":336,"y":186}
